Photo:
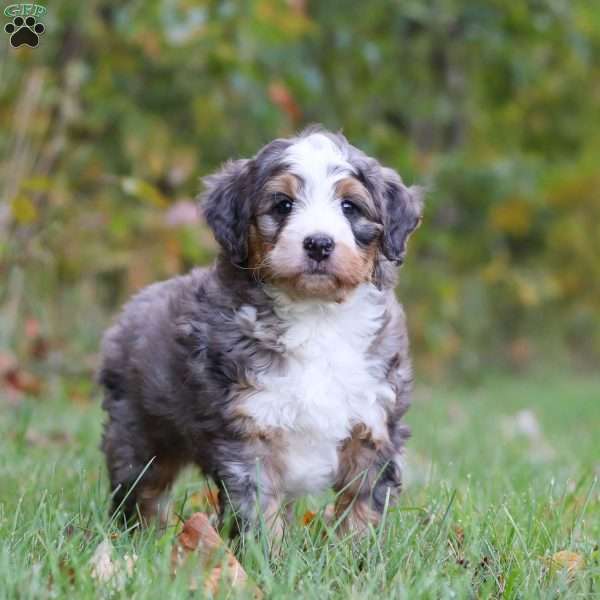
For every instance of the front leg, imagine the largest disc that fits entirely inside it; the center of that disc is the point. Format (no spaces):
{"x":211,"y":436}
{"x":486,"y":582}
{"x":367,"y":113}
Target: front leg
{"x":249,"y":493}
{"x":369,"y":478}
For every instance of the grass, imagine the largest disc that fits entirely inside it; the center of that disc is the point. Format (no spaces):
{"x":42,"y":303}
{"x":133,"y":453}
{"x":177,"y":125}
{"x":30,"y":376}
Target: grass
{"x":492,"y":493}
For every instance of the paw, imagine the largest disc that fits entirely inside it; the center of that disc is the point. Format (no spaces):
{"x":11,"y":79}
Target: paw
{"x":24,"y":31}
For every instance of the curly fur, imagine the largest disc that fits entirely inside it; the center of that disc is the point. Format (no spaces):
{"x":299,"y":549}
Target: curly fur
{"x":271,"y":393}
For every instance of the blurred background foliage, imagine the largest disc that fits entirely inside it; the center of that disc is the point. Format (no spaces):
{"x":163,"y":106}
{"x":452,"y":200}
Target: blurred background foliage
{"x":106,"y":127}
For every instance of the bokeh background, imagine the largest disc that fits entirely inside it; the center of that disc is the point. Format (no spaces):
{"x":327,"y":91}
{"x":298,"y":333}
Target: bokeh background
{"x":106,"y":127}
{"x":494,"y":105}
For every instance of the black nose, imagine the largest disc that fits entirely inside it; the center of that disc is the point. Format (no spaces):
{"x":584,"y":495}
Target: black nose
{"x":318,"y":247}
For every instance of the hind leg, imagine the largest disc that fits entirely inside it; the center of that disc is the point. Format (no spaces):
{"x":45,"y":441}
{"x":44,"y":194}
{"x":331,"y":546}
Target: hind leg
{"x":139,"y":477}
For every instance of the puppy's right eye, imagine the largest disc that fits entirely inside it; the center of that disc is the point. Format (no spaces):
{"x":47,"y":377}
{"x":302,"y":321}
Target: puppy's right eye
{"x":282,"y":204}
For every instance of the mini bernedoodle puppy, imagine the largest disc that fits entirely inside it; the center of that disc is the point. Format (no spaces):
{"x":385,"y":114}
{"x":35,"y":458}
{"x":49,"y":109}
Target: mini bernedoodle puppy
{"x":283,"y":369}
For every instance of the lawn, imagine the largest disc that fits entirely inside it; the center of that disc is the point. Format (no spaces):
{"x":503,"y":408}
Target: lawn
{"x":500,"y":478}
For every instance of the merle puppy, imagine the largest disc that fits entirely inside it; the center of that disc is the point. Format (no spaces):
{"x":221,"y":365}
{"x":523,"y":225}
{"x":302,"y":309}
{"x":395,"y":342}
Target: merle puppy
{"x":283,"y":369}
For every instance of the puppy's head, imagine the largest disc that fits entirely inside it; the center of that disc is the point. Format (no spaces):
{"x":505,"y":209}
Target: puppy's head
{"x":312,"y":215}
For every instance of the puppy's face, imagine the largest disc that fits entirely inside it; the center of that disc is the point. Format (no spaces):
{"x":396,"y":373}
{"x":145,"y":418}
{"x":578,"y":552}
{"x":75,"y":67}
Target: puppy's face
{"x":312,"y":215}
{"x":316,"y":229}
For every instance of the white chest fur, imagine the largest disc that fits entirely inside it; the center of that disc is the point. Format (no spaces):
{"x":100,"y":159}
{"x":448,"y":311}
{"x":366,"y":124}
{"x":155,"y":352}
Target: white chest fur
{"x":327,"y":386}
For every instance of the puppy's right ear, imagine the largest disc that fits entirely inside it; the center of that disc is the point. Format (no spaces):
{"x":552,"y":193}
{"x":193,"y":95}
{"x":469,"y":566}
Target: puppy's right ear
{"x":226,"y":204}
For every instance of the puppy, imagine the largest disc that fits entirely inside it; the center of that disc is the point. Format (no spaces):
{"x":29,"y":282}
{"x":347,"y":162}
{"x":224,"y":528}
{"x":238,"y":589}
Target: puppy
{"x":283,"y":369}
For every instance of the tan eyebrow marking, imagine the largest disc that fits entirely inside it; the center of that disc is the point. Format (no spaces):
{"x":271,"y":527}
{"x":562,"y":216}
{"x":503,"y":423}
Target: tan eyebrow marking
{"x":284,"y":183}
{"x":352,"y":188}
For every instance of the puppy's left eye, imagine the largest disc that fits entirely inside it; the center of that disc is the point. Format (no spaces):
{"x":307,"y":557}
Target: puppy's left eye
{"x":350,"y":209}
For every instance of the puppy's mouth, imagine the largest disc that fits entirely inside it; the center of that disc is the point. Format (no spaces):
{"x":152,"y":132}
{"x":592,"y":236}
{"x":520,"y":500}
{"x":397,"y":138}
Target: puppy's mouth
{"x":317,"y":269}
{"x":315,"y":280}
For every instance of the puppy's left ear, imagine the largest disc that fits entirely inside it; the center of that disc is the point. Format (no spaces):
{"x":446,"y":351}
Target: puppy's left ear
{"x":403,"y":211}
{"x":226,"y":204}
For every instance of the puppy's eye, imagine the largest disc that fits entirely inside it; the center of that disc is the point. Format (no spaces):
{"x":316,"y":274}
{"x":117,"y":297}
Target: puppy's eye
{"x":282,"y":204}
{"x":350,"y":209}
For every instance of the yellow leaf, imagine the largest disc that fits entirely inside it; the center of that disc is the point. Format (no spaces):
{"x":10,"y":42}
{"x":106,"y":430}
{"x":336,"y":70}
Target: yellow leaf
{"x":143,"y":191}
{"x":24,"y":210}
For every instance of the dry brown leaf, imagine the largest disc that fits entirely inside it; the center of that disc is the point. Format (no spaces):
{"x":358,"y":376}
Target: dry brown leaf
{"x":66,"y":568}
{"x":7,"y":363}
{"x":459,"y":535}
{"x":565,"y":559}
{"x":327,"y":515}
{"x":106,"y":570}
{"x":22,"y":381}
{"x":308,"y":517}
{"x":199,"y":540}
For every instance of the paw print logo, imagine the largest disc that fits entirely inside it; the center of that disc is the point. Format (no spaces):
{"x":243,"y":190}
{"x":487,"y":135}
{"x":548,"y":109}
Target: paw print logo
{"x":24,"y":31}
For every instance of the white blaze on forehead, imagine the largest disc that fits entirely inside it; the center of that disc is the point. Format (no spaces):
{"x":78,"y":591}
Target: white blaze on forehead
{"x":314,"y":157}
{"x":320,"y":164}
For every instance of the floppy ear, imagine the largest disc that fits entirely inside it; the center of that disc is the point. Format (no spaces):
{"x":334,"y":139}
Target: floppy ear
{"x":226,"y":204}
{"x":403,"y":210}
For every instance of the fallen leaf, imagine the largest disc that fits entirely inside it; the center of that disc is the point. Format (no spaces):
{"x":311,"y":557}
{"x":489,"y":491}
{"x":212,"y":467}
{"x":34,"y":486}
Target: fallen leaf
{"x":103,"y":567}
{"x":22,"y":381}
{"x":456,"y":543}
{"x":565,"y":559}
{"x":106,"y":570}
{"x":7,"y":363}
{"x":328,"y":515}
{"x":459,"y":535}
{"x":308,"y":517}
{"x":200,"y":541}
{"x":68,"y":570}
